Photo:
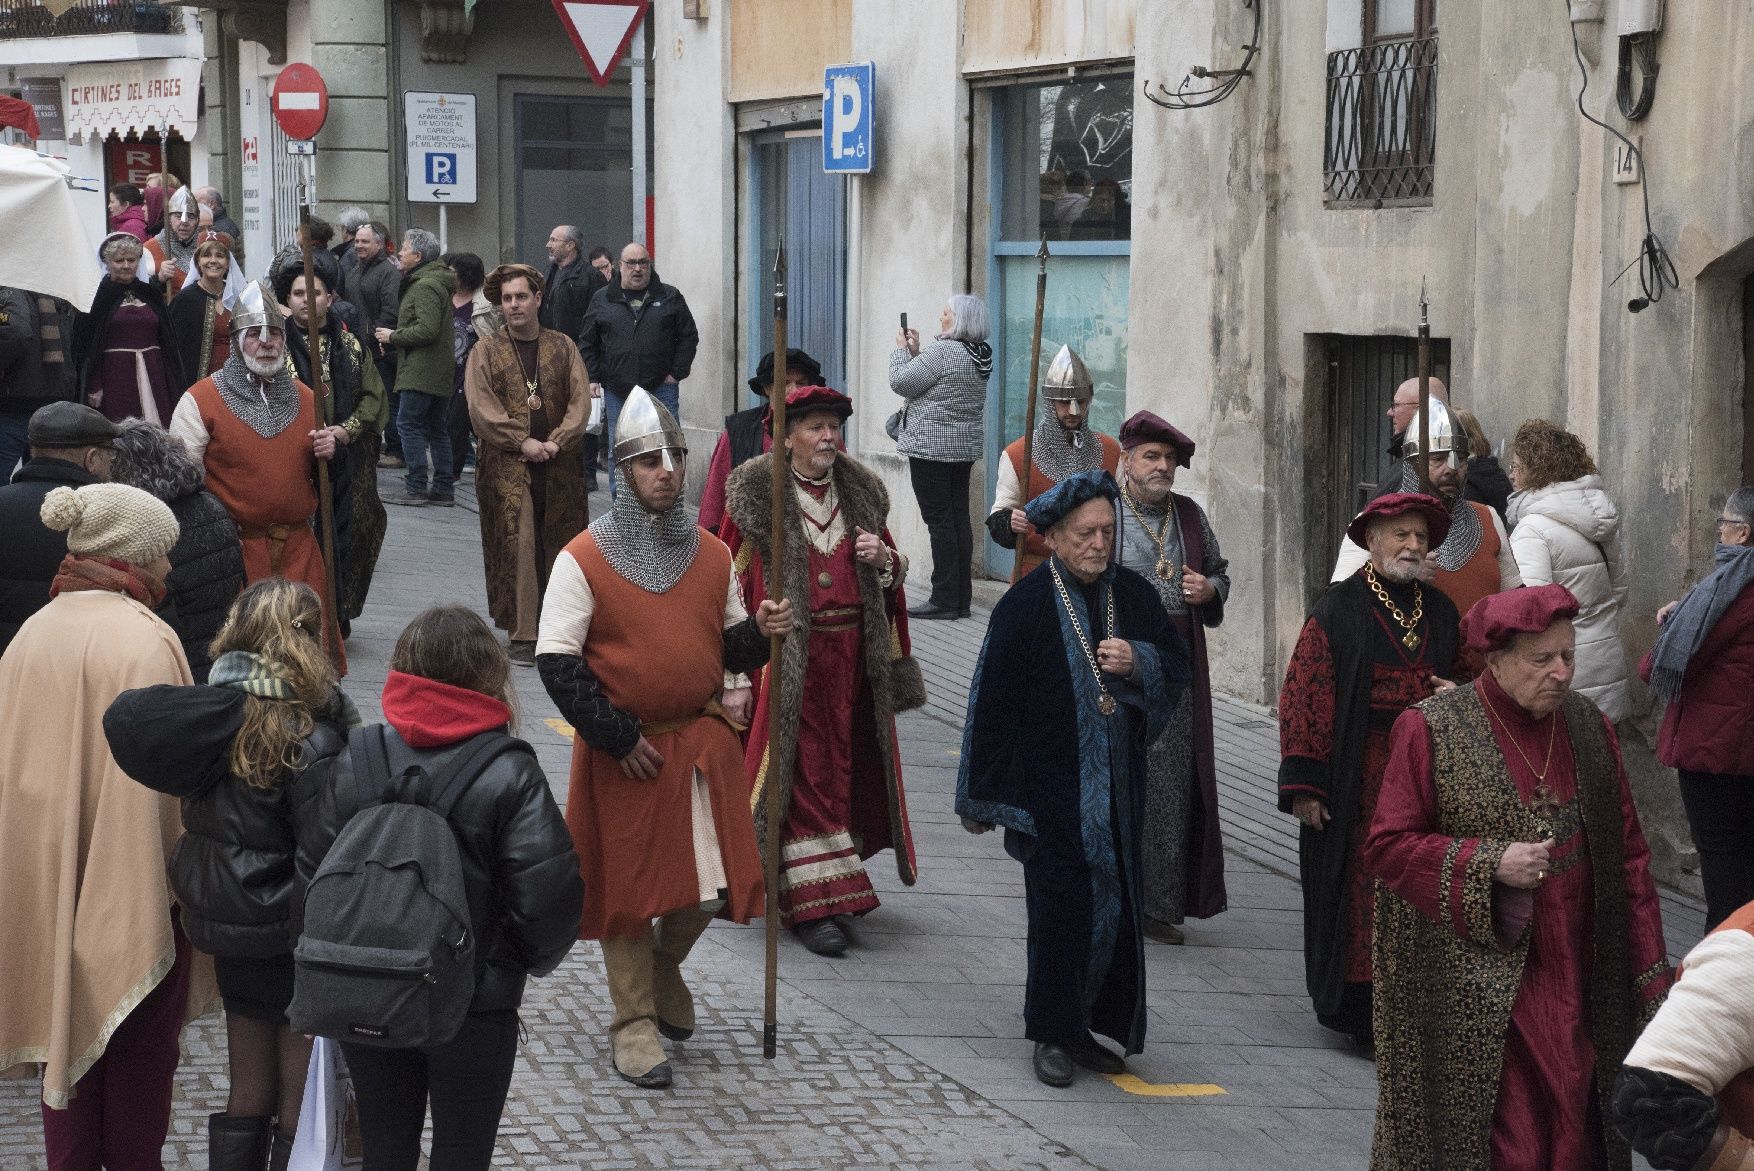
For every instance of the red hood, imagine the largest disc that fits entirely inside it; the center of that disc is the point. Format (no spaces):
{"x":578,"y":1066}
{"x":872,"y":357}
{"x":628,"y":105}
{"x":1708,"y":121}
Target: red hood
{"x":430,"y":714}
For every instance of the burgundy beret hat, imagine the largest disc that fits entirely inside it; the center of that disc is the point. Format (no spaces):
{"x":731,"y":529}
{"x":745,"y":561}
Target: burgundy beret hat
{"x":801,"y":400}
{"x":1396,"y":503}
{"x":1145,"y":427}
{"x":1494,"y":620}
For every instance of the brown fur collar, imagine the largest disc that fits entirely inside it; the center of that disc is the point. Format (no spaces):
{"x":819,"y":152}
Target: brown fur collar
{"x":895,"y":680}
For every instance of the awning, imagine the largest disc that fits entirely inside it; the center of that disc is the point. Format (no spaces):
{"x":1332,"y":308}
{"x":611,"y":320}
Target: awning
{"x":123,"y":97}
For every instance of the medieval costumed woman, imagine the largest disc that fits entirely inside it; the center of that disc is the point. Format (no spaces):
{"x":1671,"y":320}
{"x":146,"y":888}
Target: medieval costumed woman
{"x":845,"y":672}
{"x":1079,"y":673}
{"x":200,"y":322}
{"x":128,"y":365}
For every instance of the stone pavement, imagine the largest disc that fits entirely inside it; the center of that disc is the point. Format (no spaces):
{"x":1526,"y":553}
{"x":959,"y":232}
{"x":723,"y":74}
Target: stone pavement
{"x":908,"y":1051}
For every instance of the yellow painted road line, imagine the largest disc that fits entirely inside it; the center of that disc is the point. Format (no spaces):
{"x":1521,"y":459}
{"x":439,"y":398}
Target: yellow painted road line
{"x":560,"y":727}
{"x":1133,"y":1084}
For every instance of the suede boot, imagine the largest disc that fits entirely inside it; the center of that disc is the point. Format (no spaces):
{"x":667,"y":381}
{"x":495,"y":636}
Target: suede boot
{"x":633,"y":1035}
{"x":280,"y":1151}
{"x":675,"y":936}
{"x":236,"y":1144}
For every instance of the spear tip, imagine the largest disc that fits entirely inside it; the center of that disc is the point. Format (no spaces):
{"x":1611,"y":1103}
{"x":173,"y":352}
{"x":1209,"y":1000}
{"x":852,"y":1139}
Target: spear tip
{"x":1042,"y":253}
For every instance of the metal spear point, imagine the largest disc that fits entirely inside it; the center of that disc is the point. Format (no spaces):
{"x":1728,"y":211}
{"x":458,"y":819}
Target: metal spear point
{"x":776,"y":586}
{"x":1424,"y":456}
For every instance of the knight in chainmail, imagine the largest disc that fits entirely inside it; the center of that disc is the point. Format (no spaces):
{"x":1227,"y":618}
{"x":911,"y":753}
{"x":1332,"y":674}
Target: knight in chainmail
{"x":255,"y":428}
{"x":643,"y":645}
{"x":173,"y":249}
{"x":1062,"y":445}
{"x":1475,"y":560}
{"x":1166,"y":538}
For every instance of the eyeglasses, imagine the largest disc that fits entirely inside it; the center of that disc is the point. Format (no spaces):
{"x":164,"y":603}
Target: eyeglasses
{"x":1731,"y":521}
{"x":636,"y":264}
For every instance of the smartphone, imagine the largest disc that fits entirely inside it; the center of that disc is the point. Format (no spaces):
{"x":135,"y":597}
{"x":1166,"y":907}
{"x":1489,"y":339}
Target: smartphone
{"x":904,"y":323}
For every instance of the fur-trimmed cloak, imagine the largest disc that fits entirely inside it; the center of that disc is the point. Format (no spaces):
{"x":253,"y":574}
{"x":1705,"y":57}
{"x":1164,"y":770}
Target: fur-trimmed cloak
{"x":896,"y":684}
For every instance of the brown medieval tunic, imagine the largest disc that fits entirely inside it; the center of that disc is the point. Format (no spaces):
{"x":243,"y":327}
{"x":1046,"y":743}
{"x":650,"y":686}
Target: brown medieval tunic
{"x":268,"y":488}
{"x":1502,"y":1014}
{"x":647,"y":848}
{"x":529,"y":511}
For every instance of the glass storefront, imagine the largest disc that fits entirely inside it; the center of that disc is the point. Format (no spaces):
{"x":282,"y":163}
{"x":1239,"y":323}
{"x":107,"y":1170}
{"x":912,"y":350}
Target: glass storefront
{"x":1063,"y":169}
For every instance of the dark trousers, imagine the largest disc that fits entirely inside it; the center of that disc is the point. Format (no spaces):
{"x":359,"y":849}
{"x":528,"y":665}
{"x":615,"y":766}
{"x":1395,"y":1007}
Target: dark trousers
{"x":942,"y":491}
{"x":465,"y":1080}
{"x":1720,"y":814}
{"x":462,"y":431}
{"x":424,"y":422}
{"x":121,"y":1107}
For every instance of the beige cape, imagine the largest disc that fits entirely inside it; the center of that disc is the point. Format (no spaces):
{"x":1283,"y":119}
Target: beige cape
{"x":83,"y":849}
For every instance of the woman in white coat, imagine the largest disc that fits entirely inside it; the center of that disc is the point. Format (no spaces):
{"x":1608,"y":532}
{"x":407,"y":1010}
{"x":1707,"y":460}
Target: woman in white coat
{"x":1566,"y":529}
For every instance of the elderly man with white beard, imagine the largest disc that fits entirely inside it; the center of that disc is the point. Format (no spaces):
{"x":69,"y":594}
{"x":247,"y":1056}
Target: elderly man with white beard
{"x":256,"y":430}
{"x":1375,"y":644}
{"x":1166,"y":539}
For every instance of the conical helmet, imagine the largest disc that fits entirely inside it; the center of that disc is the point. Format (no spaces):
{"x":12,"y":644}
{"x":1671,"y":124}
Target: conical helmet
{"x":645,"y":424}
{"x":1068,"y":380}
{"x":182,"y":205}
{"x":254,"y":308}
{"x":1444,"y":436}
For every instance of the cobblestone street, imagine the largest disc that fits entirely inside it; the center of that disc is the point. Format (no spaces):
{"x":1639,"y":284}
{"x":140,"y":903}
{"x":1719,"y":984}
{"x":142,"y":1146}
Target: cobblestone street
{"x":907,"y":1052}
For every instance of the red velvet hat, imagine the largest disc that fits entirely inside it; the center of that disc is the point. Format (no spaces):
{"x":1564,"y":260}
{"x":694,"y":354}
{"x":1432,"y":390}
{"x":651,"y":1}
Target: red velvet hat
{"x":804,"y":399}
{"x":1396,"y":503}
{"x":1145,"y":427}
{"x":1494,"y":620}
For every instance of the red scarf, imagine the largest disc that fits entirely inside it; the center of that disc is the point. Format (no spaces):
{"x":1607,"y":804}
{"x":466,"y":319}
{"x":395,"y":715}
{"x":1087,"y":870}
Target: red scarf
{"x":430,"y":714}
{"x":80,"y":572}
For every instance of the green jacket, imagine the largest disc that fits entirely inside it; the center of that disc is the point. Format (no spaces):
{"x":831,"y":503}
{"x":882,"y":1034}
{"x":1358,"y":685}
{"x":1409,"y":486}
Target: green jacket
{"x":423,"y":331}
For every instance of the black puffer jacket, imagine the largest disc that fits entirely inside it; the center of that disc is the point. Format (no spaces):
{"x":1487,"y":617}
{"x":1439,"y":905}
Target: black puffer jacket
{"x":232,"y":871}
{"x":519,"y":869}
{"x":34,"y":551}
{"x":207,"y":571}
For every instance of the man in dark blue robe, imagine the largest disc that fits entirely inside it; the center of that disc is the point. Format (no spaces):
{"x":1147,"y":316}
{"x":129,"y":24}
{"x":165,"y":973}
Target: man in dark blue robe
{"x":1080,"y":672}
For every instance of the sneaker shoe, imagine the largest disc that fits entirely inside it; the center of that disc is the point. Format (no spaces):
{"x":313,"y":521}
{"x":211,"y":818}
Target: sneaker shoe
{"x":391,"y":461}
{"x":522,"y":653}
{"x":437,"y":501}
{"x":409,"y":499}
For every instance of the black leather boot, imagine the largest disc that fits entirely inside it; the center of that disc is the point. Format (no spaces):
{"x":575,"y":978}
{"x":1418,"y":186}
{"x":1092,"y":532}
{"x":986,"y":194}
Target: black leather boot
{"x":238,"y":1144}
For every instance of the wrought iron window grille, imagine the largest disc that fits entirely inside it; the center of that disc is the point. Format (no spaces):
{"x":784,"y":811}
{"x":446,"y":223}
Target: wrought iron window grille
{"x":1380,"y":143}
{"x":20,"y":19}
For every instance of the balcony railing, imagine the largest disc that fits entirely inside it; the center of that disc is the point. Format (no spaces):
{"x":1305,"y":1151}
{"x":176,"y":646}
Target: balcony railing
{"x":1381,"y":140}
{"x":20,"y":19}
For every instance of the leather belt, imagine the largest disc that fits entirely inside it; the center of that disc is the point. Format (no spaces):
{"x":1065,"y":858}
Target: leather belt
{"x":712,"y":710}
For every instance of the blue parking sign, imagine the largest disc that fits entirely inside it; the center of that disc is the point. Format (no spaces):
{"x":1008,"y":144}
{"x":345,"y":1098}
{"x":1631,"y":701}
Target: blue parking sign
{"x":441,"y":167}
{"x":849,"y":99}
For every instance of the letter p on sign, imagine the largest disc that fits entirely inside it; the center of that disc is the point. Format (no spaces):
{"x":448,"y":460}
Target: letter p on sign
{"x":848,"y":101}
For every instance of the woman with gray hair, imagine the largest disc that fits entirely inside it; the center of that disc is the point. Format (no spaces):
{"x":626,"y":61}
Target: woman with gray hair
{"x":207,"y":562}
{"x":939,"y":429}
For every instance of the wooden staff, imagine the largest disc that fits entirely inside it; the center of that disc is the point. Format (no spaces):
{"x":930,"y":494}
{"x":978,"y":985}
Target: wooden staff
{"x":776,"y":589}
{"x":325,"y":503}
{"x":1041,"y":300}
{"x":1424,"y":456}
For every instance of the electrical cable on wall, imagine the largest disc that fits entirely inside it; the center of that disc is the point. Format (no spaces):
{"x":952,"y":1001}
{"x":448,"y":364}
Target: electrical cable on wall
{"x":1225,"y":80}
{"x":1656,"y":271}
{"x":1638,"y":53}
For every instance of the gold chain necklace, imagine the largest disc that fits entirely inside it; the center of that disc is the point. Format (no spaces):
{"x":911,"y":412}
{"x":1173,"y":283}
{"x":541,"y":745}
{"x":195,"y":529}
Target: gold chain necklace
{"x":1552,"y":733}
{"x":1410,"y":640}
{"x":1105,"y":704}
{"x":1164,"y":570}
{"x":532,"y":382}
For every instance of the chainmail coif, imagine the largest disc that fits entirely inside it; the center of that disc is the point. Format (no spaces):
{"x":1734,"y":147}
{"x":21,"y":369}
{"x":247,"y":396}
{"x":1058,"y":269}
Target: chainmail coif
{"x":651,"y":549}
{"x":1062,"y":454}
{"x":265,"y":406}
{"x":1465,"y":532}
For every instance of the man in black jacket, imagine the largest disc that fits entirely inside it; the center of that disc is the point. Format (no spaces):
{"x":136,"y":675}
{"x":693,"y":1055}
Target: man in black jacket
{"x":637,"y":332}
{"x":374,"y":286}
{"x":36,"y":365}
{"x":570,"y":285}
{"x":70,"y":445}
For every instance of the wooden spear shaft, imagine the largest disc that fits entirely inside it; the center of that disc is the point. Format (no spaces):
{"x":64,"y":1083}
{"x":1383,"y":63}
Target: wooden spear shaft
{"x":1041,"y":299}
{"x":1424,"y":456}
{"x":780,"y":468}
{"x":325,"y":502}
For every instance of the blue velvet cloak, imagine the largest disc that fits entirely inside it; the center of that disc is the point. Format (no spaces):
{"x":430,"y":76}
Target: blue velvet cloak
{"x":1067,"y":784}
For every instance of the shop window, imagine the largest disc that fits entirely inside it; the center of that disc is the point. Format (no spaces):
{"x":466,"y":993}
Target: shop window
{"x":1062,"y":168}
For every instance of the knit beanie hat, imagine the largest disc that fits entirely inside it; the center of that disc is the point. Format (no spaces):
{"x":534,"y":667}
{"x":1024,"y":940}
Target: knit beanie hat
{"x":112,"y":520}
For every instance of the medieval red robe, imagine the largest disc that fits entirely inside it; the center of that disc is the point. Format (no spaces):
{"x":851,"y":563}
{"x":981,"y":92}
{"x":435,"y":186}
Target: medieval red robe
{"x":1548,"y":1115}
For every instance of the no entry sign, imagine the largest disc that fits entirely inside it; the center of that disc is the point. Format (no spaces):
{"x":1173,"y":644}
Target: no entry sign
{"x":300,"y":101}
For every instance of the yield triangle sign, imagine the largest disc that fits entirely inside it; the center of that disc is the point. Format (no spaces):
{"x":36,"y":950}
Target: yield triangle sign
{"x":600,"y":31}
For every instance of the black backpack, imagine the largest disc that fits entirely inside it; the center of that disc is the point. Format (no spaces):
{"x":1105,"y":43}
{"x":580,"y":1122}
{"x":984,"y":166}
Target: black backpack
{"x":387,"y":955}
